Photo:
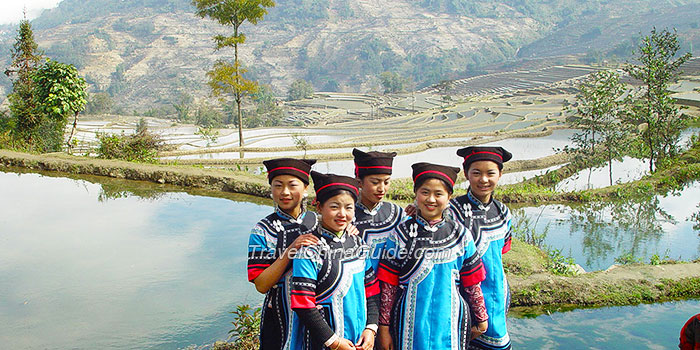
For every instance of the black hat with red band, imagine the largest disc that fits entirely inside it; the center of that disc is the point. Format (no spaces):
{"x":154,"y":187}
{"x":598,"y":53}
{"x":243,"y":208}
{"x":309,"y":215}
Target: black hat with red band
{"x":472,"y":154}
{"x":424,"y":171}
{"x":368,"y":163}
{"x":329,"y":185}
{"x":289,"y":166}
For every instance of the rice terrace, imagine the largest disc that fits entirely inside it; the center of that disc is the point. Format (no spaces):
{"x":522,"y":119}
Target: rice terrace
{"x":492,"y":107}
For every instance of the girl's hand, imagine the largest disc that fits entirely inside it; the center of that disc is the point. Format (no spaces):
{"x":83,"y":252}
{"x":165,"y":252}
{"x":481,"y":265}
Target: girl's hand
{"x":366,"y":340}
{"x":352,"y":230}
{"x":410,"y":210}
{"x":384,"y":341}
{"x":342,"y":344}
{"x":479,"y":329}
{"x":301,"y":241}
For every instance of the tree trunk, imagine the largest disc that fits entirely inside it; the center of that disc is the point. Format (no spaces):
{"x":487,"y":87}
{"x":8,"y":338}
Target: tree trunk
{"x":72,"y":131}
{"x":238,"y":94}
{"x":590,"y":172}
{"x":240,"y":119}
{"x":651,"y":155}
{"x":610,"y":167}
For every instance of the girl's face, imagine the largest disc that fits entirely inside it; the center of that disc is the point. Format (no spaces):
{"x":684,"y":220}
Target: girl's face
{"x":337,"y":212}
{"x":483,"y":176}
{"x":374,"y":187}
{"x":432,"y":198}
{"x":287,"y":192}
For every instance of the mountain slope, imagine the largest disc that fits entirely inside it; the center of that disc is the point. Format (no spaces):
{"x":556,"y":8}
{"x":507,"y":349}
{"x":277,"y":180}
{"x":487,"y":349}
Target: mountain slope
{"x":146,"y":53}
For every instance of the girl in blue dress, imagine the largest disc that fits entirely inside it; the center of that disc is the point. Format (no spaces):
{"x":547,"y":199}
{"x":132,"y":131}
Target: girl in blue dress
{"x":335,"y":293}
{"x":430,"y":272}
{"x":489,"y":223}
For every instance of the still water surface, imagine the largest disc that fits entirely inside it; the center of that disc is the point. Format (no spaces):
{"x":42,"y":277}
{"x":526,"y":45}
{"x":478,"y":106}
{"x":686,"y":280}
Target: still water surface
{"x":82,"y":266}
{"x":594,"y":234}
{"x":653,"y":326}
{"x":128,"y":265}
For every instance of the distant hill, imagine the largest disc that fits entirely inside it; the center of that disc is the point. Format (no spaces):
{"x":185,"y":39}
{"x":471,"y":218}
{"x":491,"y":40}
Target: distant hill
{"x":145,"y":53}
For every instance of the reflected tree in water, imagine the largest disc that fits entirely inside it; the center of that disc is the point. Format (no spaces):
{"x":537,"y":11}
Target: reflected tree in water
{"x":117,"y":191}
{"x":525,"y":228}
{"x":619,"y":227}
{"x":695,"y":219}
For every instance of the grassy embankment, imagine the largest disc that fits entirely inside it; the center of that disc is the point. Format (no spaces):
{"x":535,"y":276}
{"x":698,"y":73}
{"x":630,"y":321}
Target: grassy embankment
{"x":184,"y":176}
{"x":532,"y":284}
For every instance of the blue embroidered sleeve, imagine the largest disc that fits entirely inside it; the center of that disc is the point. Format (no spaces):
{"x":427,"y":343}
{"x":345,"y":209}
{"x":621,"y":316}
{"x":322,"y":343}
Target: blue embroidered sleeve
{"x":260,"y":255}
{"x":388,"y":270}
{"x":304,"y":276}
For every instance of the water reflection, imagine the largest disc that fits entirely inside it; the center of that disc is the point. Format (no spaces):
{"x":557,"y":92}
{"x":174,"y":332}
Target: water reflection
{"x":123,"y":272}
{"x":629,"y":226}
{"x":594,"y":234}
{"x":695,"y":219}
{"x":654,"y":326}
{"x":112,"y":191}
{"x":131,"y":265}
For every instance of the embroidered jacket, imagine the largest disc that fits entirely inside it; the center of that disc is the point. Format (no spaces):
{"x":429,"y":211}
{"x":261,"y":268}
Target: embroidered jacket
{"x":375,"y":225}
{"x":430,"y":264}
{"x":269,"y":238}
{"x":336,"y":278}
{"x":490,"y":226}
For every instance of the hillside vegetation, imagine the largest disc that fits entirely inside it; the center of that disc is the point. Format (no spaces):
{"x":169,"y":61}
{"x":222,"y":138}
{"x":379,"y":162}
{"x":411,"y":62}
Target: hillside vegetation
{"x":146,"y":53}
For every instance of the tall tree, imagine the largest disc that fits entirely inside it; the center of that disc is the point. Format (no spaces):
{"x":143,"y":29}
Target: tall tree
{"x":26,"y":58}
{"x":600,"y":114}
{"x":59,"y":93}
{"x":654,"y":110}
{"x":232,"y":13}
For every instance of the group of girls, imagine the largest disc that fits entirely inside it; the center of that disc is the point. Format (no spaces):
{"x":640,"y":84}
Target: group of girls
{"x":363,"y":273}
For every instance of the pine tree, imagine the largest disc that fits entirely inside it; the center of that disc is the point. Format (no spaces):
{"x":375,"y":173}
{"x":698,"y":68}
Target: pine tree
{"x":26,"y":59}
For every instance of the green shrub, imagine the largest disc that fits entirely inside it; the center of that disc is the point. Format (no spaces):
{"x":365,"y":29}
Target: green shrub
{"x":558,"y":264}
{"x":140,"y":147}
{"x":627,"y":259}
{"x":525,"y":229}
{"x":246,"y":326}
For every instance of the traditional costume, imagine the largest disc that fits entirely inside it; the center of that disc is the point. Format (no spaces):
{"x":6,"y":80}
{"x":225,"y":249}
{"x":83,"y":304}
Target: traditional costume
{"x":334,"y":288}
{"x":490,"y":227}
{"x":269,"y":238}
{"x":375,"y":223}
{"x":437,"y":270}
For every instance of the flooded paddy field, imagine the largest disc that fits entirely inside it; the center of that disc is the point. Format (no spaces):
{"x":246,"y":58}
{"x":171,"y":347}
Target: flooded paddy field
{"x":462,"y":121}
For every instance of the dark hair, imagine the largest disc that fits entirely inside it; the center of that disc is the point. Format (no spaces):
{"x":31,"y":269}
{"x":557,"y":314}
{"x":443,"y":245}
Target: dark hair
{"x":336,"y":192}
{"x":420,"y":182}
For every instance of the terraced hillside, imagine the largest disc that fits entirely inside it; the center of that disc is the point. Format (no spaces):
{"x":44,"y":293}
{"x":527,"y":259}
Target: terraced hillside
{"x":509,"y":82}
{"x":146,"y":53}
